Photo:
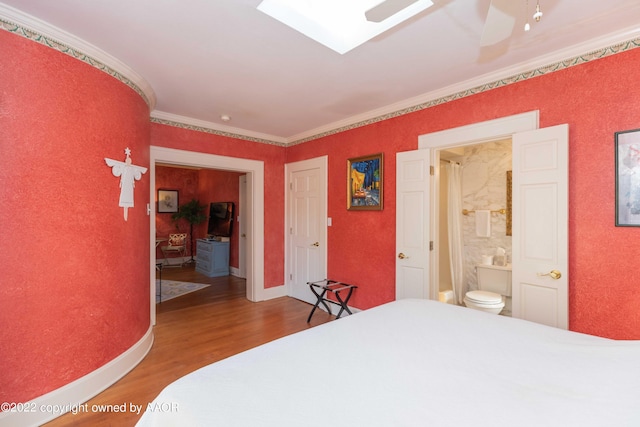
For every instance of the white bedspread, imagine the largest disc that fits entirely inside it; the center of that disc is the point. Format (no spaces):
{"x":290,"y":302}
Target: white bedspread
{"x":414,"y":363}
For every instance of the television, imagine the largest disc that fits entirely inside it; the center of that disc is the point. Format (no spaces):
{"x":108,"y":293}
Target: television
{"x":220,"y":219}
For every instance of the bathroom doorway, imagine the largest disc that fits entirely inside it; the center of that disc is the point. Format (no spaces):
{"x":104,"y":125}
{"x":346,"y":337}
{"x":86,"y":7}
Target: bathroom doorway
{"x":470,"y":178}
{"x":540,"y":213}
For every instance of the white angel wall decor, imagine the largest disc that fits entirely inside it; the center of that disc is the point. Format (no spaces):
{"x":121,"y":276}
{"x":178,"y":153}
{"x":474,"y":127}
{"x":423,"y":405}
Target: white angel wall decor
{"x":128,"y":174}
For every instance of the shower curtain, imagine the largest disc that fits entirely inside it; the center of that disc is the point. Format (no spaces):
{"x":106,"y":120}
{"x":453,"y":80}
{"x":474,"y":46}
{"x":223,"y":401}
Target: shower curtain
{"x":454,"y":214}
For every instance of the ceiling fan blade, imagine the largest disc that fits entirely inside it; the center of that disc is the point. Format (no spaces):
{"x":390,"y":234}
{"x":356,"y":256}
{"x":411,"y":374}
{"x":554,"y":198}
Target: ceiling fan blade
{"x":501,"y":20}
{"x":386,"y":9}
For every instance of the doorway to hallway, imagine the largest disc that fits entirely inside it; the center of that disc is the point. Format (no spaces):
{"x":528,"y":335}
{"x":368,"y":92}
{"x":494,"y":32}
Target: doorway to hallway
{"x":254,"y":170}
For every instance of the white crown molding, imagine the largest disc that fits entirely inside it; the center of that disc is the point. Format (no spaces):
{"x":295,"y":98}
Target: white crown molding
{"x":557,"y":60}
{"x":561,"y":59}
{"x":68,"y":43}
{"x":574,"y":55}
{"x":215,"y":128}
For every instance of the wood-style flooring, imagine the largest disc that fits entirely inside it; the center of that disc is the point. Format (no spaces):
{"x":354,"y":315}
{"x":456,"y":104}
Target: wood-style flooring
{"x":192,"y":331}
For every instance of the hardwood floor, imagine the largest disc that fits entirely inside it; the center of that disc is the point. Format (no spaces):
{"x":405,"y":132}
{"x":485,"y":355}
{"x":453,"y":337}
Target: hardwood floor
{"x":192,"y":331}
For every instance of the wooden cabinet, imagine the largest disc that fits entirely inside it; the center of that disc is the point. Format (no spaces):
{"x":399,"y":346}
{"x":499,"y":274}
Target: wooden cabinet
{"x":212,"y":257}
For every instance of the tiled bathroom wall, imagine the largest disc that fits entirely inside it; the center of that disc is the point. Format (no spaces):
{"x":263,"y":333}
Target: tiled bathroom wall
{"x":484,"y":186}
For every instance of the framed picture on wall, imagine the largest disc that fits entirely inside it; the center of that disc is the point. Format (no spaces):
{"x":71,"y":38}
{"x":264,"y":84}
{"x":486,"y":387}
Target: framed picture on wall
{"x":628,"y":178}
{"x":364,"y":183}
{"x":167,"y":201}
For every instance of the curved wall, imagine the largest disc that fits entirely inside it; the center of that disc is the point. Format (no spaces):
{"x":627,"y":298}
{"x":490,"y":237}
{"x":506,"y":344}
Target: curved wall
{"x":75,"y":294}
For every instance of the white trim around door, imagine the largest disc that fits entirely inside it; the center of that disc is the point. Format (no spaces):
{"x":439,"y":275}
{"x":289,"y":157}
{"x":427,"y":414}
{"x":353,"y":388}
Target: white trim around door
{"x":254,"y":212}
{"x":475,"y":133}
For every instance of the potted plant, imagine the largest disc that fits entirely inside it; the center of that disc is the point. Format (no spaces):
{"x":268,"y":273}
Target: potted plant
{"x":193,"y":213}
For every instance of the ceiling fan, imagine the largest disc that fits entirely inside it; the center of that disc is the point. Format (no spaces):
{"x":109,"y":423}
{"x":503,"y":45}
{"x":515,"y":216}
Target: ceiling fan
{"x":338,"y":24}
{"x":501,"y":20}
{"x":499,"y":24}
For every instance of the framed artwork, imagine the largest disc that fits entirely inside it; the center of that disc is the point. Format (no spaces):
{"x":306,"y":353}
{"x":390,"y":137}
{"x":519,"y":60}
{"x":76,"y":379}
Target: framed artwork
{"x":167,"y":201}
{"x":365,"y":183}
{"x":628,"y":178}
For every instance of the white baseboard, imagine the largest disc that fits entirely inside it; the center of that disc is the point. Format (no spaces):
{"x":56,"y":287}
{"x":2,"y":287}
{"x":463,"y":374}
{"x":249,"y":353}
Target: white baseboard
{"x":60,"y":401}
{"x":273,"y":292}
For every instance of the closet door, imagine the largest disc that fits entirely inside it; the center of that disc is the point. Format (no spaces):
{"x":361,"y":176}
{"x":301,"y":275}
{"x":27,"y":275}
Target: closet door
{"x":412,"y":224}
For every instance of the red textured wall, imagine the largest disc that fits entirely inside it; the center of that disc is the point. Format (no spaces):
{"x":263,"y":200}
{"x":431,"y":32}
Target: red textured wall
{"x":273,"y":157}
{"x":223,"y":186}
{"x":361,"y":244}
{"x":206,"y":186}
{"x":596,"y":100}
{"x":74,"y":294}
{"x":185,"y":181}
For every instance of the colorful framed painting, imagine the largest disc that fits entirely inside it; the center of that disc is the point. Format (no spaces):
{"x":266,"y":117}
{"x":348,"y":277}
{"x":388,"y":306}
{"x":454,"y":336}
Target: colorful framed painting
{"x":628,"y":178}
{"x":365,"y":183}
{"x":167,"y":201}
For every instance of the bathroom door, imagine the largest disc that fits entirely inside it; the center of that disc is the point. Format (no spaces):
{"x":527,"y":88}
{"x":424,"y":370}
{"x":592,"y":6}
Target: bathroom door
{"x":540,"y":226}
{"x":412,"y":224}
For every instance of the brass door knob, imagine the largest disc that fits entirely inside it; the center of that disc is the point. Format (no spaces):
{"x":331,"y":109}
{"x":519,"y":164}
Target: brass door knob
{"x":316,"y":244}
{"x":554,"y":274}
{"x":402,"y":256}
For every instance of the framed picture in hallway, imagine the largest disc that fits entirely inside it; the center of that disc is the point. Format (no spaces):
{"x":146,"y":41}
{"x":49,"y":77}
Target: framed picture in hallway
{"x":365,"y":183}
{"x":628,"y":178}
{"x":167,"y":201}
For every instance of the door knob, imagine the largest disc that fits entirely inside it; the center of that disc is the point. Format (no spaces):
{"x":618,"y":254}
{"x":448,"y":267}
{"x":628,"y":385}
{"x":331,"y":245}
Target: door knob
{"x":316,"y":244}
{"x":402,"y":256}
{"x":554,"y":274}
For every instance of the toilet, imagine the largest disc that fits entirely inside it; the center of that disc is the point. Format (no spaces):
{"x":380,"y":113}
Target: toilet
{"x":494,"y":284}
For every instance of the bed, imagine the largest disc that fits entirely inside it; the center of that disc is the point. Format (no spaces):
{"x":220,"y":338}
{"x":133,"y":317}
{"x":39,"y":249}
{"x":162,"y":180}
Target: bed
{"x":414,"y":363}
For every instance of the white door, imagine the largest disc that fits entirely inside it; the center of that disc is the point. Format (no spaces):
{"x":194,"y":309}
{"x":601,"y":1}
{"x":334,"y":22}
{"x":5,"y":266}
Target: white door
{"x":242,"y":228}
{"x":540,"y":226}
{"x":412,"y":224}
{"x":307,"y":252}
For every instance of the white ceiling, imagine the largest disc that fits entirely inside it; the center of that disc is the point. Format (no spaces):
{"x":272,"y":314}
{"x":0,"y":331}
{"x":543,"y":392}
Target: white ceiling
{"x":207,"y":58}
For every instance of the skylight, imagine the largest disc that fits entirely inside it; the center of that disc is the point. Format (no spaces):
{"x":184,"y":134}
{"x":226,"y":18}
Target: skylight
{"x":342,"y":25}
